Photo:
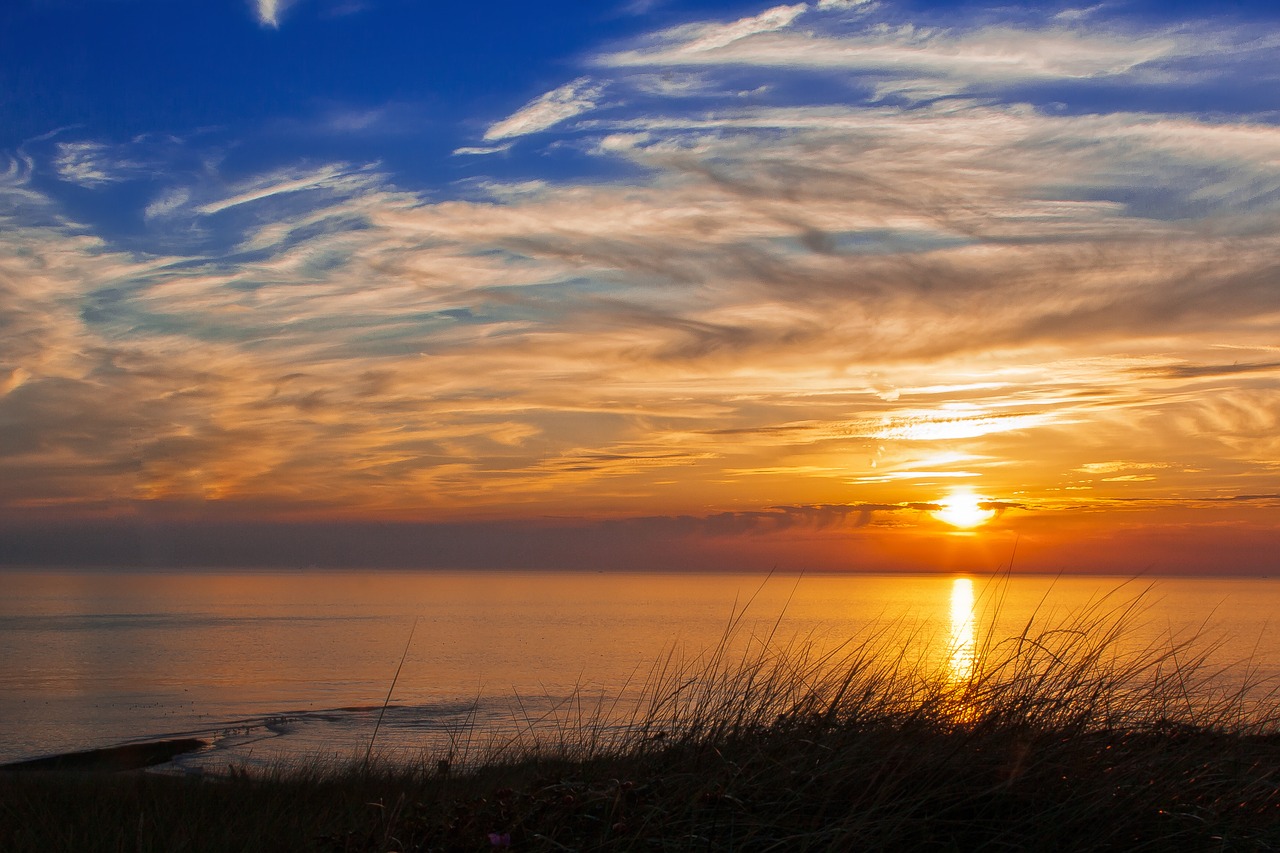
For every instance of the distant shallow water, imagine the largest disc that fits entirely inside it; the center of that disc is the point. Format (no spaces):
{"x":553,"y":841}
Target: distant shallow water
{"x":277,"y":665}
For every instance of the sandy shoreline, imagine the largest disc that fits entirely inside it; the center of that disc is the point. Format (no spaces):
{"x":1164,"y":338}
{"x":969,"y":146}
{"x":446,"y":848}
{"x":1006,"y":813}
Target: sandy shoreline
{"x":112,"y":759}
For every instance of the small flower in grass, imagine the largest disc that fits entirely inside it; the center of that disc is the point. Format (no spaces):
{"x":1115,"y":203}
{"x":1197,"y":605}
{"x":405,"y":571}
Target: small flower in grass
{"x":499,"y":839}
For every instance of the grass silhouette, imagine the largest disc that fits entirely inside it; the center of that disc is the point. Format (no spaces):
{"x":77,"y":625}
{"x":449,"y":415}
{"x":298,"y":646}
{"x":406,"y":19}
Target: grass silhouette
{"x":1066,"y":734}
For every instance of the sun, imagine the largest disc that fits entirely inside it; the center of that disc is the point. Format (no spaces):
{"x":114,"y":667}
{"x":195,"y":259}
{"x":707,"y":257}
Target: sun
{"x":964,"y":509}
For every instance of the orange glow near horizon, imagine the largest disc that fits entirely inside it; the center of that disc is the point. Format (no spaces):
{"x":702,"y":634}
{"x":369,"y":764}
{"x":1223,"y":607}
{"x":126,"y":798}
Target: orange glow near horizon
{"x":865,"y":329}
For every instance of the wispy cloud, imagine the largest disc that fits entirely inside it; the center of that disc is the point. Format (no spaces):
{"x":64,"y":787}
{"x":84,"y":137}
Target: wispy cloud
{"x":705,"y":37}
{"x":167,"y":203}
{"x":845,"y":5}
{"x":340,"y":179}
{"x":640,"y":7}
{"x":480,"y":150}
{"x":908,"y":56}
{"x":548,"y":110}
{"x":90,"y":164}
{"x":840,"y":302}
{"x":269,"y":11}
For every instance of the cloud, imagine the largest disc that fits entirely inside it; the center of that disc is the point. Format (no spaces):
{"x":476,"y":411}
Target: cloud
{"x":269,"y":11}
{"x":942,"y":427}
{"x":819,"y":301}
{"x":1196,"y":371}
{"x":480,"y":150}
{"x":90,"y":164}
{"x":673,"y":84}
{"x":167,"y":203}
{"x":903,"y":58}
{"x":354,"y":121}
{"x":845,"y":5}
{"x":15,"y":378}
{"x":989,"y":55}
{"x":712,"y":36}
{"x":1113,"y":467}
{"x":1078,"y":14}
{"x":548,"y":110}
{"x":339,"y":179}
{"x":640,"y":7}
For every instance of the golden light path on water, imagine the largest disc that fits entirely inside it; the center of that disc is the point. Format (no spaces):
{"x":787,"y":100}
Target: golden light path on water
{"x":964,"y":639}
{"x":91,"y":659}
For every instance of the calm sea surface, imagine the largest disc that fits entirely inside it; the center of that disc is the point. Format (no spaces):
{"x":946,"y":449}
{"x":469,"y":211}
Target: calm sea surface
{"x":281,"y":665}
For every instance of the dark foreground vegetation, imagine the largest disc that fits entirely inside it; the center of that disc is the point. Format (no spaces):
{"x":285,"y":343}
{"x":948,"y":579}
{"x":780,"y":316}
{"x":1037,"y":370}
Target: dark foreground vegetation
{"x":1060,"y":738}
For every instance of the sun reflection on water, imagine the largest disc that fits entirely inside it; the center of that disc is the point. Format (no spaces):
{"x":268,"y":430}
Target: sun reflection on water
{"x":964,"y":640}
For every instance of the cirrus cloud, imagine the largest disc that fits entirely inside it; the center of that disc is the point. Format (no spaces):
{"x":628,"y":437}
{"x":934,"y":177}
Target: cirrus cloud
{"x":852,"y":298}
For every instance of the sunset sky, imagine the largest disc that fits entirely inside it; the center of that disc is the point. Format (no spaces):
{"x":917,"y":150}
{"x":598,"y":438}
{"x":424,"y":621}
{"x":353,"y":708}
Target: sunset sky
{"x":640,"y":284}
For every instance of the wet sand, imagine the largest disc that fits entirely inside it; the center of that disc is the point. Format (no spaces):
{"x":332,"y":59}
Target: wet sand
{"x":112,"y":759}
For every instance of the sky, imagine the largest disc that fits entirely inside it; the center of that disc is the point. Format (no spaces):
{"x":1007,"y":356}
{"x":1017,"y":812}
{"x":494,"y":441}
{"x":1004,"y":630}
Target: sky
{"x":827,"y":285}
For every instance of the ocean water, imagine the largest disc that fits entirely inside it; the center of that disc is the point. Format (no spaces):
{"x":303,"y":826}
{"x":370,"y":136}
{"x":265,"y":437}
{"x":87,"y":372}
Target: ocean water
{"x":273,"y":666}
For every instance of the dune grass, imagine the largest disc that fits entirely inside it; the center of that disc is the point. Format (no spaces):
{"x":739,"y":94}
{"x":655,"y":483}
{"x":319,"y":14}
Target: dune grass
{"x":1061,"y":736}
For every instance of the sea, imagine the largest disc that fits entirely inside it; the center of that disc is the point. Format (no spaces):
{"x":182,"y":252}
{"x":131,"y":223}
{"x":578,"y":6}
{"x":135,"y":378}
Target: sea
{"x":273,"y":667}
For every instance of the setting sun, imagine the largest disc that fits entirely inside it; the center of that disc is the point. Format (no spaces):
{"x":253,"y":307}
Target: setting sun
{"x":905,"y":355}
{"x":964,"y":509}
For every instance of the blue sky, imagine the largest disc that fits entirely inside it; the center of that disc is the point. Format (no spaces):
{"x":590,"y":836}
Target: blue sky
{"x":805,"y":266}
{"x":406,"y":83}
